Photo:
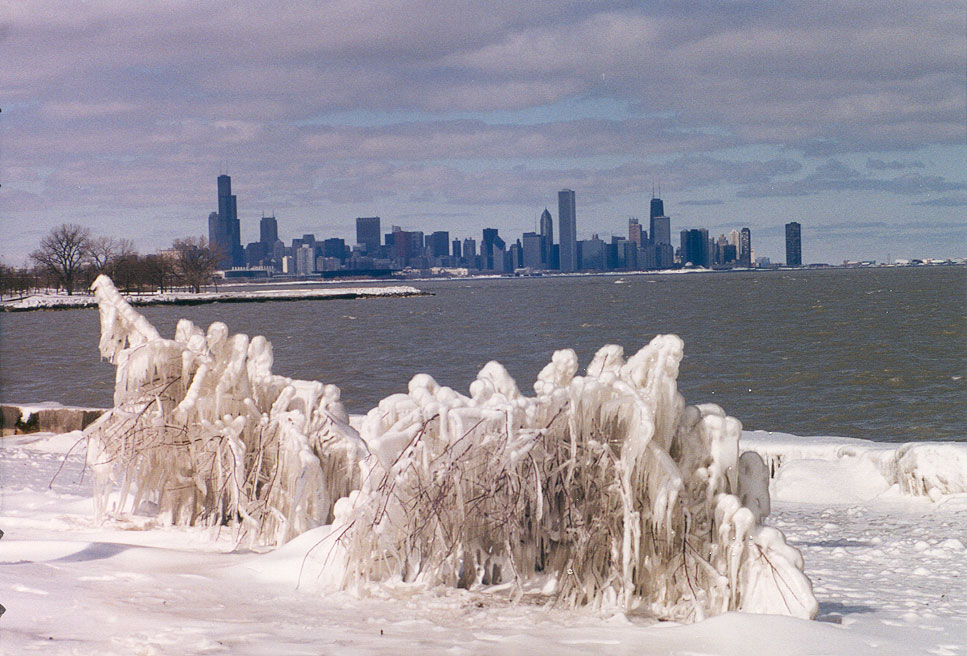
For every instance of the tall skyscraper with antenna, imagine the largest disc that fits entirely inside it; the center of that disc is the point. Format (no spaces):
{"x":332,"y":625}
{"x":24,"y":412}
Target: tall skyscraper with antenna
{"x":224,"y":233}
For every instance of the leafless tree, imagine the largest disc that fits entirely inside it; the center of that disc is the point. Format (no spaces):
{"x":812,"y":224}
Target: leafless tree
{"x":104,"y":252}
{"x":194,"y":262}
{"x":63,"y":253}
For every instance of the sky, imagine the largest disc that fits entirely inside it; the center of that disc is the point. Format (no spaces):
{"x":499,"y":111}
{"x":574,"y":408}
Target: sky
{"x":848,"y":117}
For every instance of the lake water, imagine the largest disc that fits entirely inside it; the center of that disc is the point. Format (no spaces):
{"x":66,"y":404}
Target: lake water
{"x":878,"y":354}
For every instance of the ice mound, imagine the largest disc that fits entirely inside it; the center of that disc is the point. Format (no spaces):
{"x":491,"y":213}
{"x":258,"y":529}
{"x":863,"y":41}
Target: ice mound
{"x":932,"y":469}
{"x":203,"y":433}
{"x":602,"y":490}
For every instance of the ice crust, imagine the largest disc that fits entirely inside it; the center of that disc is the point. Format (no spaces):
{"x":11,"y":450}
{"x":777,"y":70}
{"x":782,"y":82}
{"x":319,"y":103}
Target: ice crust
{"x":602,"y":490}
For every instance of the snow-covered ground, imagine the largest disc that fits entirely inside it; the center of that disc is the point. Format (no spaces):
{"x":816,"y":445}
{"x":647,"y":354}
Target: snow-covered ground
{"x":63,"y":301}
{"x":888,"y":566}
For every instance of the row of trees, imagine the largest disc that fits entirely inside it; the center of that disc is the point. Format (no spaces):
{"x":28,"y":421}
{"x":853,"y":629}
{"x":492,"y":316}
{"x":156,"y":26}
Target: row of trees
{"x":69,"y":258}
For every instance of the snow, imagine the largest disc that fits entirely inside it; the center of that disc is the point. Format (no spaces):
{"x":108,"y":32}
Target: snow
{"x":889,"y":573}
{"x":63,"y":301}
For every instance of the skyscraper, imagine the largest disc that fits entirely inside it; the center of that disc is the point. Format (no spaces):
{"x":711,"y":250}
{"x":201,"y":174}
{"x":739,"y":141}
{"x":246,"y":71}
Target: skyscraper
{"x":661,"y":230}
{"x":793,"y":244}
{"x":223,"y":228}
{"x":659,"y":225}
{"x":567,"y":219}
{"x":634,"y":231}
{"x":367,"y":233}
{"x":745,"y":247}
{"x":268,"y":231}
{"x":439,"y":243}
{"x":695,"y":249}
{"x":547,"y":227}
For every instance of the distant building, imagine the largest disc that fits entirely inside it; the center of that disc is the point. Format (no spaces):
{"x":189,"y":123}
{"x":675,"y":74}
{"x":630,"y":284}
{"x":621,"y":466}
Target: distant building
{"x":367,"y":233}
{"x":532,"y":246}
{"x":634,"y":231}
{"x":567,"y":220}
{"x":335,"y":248}
{"x":745,"y":247}
{"x":492,"y":249}
{"x":547,"y":228}
{"x":661,"y":230}
{"x":469,"y":250}
{"x":224,"y":233}
{"x":439,"y":243}
{"x":268,"y":231}
{"x":793,"y":244}
{"x":593,"y":254}
{"x":695,"y":247}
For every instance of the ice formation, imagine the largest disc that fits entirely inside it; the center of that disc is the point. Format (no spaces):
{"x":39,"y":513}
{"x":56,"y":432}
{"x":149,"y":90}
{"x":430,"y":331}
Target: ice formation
{"x":931,"y":469}
{"x":602,"y":490}
{"x":203,"y":433}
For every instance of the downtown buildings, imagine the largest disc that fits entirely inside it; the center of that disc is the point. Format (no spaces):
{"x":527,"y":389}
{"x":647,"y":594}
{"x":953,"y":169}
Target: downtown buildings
{"x":374,"y":253}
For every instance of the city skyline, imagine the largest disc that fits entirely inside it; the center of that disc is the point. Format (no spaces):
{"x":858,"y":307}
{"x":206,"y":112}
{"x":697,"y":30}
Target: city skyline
{"x":117,"y":117}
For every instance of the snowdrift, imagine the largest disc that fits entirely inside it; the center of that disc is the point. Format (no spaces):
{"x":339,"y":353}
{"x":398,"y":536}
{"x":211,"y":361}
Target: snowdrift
{"x":603,"y":489}
{"x":931,"y":469}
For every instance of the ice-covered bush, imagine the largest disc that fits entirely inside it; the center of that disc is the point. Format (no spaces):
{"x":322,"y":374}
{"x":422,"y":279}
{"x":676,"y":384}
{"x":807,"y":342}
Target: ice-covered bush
{"x":603,"y":489}
{"x":203,"y":433}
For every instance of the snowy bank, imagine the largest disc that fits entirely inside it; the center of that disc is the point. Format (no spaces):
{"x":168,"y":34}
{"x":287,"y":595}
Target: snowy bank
{"x":889,"y":577}
{"x":65,"y":302}
{"x":932,"y":469}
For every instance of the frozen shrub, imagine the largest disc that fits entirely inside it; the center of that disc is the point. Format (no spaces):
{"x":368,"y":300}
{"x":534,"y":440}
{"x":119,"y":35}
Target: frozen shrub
{"x":602,"y":490}
{"x":203,"y":433}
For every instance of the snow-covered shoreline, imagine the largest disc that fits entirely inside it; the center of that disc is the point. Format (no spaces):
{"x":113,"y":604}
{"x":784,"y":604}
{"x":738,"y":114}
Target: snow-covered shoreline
{"x":65,"y":302}
{"x":888,"y":569}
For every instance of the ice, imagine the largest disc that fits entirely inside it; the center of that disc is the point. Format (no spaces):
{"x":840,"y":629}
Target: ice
{"x":603,"y":490}
{"x":934,"y":470}
{"x":204,"y":433}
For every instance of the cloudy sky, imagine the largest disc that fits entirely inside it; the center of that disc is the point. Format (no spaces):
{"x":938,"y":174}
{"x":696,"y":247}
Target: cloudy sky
{"x":848,"y":117}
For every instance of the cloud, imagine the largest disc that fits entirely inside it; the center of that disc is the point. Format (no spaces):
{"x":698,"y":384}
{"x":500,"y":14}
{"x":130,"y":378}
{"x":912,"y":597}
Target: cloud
{"x":132,"y":108}
{"x":833,"y":175}
{"x":701,"y":203}
{"x":958,"y":200}
{"x":894,"y":165}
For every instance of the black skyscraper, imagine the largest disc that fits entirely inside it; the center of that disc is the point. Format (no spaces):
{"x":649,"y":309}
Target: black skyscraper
{"x":224,"y":232}
{"x":367,"y":233}
{"x":793,"y":244}
{"x":268,"y":231}
{"x":745,"y":247}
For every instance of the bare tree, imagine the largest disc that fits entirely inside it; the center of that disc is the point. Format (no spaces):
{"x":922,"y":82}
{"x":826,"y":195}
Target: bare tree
{"x":63,"y":253}
{"x":195,"y":262}
{"x":104,"y":252}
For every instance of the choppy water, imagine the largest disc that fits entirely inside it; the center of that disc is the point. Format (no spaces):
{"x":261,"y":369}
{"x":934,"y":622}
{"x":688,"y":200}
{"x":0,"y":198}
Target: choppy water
{"x":878,"y":354}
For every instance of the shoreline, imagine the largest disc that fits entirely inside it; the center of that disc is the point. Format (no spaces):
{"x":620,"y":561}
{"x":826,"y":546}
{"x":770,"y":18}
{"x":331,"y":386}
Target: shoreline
{"x":86,"y":301}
